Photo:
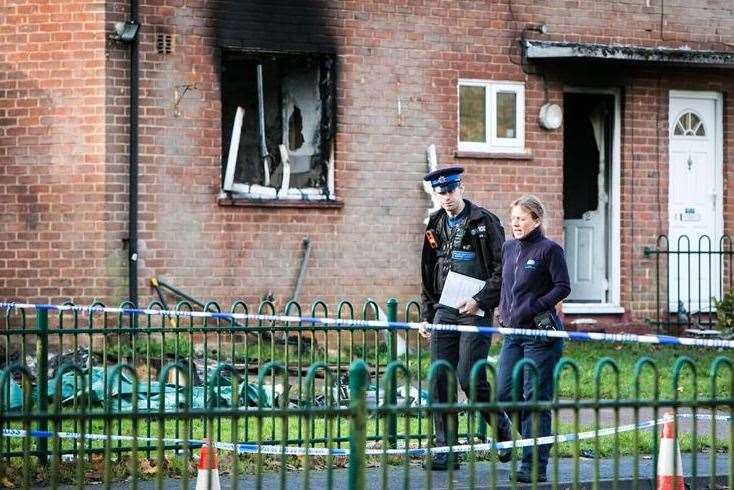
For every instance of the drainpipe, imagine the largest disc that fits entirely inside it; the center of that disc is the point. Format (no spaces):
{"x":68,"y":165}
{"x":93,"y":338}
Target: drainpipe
{"x":133,"y":175}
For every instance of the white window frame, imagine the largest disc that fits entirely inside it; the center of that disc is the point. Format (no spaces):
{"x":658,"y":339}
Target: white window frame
{"x":492,"y":142}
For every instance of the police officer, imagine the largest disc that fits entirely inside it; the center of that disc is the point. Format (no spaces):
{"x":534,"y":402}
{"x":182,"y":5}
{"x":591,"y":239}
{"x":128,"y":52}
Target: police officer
{"x":464,"y":238}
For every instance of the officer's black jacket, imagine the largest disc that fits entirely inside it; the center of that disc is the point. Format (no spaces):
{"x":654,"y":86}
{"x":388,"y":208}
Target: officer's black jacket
{"x":484,"y":236}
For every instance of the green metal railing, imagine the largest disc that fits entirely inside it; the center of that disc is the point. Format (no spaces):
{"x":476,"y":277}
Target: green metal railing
{"x":198,"y":345}
{"x":130,"y":408}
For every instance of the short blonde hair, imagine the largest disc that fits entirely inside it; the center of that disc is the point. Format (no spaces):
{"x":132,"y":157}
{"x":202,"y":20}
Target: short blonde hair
{"x":533,"y":206}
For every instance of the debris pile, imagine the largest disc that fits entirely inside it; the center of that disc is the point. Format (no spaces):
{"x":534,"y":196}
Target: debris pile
{"x":114,"y":388}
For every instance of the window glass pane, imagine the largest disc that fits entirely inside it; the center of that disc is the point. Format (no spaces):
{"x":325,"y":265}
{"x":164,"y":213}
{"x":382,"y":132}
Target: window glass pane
{"x":506,"y":117}
{"x":472,"y":120}
{"x":689,"y":124}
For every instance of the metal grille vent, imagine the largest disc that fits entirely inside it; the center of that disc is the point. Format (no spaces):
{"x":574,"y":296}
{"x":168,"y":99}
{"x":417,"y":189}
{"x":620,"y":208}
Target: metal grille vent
{"x":164,"y":43}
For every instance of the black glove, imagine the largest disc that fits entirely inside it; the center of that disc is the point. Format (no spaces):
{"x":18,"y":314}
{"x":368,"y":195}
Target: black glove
{"x":545,"y":321}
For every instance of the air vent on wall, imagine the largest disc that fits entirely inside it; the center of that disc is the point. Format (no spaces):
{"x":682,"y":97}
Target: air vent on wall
{"x":164,"y":43}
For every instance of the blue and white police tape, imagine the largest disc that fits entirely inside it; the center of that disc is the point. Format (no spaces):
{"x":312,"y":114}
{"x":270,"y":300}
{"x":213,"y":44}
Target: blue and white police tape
{"x":705,"y":416}
{"x":338,"y":323}
{"x":412,"y":452}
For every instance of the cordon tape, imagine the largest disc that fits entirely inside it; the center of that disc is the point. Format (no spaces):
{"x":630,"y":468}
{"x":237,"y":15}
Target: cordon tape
{"x":338,"y":323}
{"x":412,"y":452}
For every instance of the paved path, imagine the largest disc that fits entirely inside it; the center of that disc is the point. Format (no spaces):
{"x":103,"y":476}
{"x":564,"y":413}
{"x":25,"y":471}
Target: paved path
{"x":627,"y":416}
{"x":396,"y":477}
{"x":416,"y":478}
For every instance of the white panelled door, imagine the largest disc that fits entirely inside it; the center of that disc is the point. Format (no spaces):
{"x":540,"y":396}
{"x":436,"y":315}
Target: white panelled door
{"x":694,"y":199}
{"x":586,"y":252}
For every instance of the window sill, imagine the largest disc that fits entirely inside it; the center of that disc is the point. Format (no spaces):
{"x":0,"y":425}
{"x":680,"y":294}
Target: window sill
{"x":592,"y":309}
{"x":526,"y":155}
{"x":279,"y":203}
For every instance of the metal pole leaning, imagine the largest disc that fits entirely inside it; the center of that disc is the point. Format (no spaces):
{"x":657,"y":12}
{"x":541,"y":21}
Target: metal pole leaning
{"x":392,"y":395}
{"x":42,"y":356}
{"x":358,"y":380}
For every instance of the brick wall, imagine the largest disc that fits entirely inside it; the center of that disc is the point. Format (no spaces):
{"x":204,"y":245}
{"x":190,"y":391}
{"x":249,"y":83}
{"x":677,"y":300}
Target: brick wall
{"x":52,"y":154}
{"x":412,"y":51}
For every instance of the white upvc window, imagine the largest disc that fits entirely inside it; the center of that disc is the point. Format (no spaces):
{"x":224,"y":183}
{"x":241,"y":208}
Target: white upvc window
{"x":491,"y":116}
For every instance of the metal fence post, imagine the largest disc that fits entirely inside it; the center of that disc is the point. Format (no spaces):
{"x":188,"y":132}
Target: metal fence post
{"x":42,"y":357}
{"x":358,"y":380}
{"x":392,"y":316}
{"x":392,"y":396}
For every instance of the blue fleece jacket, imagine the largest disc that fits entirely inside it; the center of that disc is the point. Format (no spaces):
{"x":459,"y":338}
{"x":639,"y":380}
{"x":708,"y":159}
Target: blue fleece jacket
{"x":534,"y":279}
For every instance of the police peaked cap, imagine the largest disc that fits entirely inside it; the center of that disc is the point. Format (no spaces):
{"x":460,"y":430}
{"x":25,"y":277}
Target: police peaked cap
{"x":445,"y":179}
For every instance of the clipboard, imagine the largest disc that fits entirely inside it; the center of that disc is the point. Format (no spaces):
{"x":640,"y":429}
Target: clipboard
{"x":459,"y":287}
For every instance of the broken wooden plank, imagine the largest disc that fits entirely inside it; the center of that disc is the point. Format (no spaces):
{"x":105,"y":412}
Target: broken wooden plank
{"x":330,"y":176}
{"x":234,"y":147}
{"x":432,"y":161}
{"x":261,"y":121}
{"x":285,"y":181}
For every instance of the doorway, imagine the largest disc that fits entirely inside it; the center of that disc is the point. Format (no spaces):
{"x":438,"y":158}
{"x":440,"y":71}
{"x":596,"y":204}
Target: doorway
{"x":588,"y":195}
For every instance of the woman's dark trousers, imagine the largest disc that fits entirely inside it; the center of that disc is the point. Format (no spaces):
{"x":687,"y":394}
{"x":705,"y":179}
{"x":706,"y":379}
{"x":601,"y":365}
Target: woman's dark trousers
{"x":544,"y":353}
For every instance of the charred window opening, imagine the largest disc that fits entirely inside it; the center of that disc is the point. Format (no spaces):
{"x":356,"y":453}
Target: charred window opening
{"x":285,"y":125}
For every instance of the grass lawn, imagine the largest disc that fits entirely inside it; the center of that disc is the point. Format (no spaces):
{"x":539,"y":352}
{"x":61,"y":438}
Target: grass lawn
{"x":586,"y":355}
{"x":606,"y":384}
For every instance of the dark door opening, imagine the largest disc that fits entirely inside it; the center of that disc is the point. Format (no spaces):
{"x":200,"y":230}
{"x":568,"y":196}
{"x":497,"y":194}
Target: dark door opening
{"x":587,"y":158}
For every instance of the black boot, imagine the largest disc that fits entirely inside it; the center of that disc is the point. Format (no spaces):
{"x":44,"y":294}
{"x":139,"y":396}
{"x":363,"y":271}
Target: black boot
{"x":504,"y":455}
{"x":526,"y":476}
{"x":504,"y":433}
{"x":442,"y":462}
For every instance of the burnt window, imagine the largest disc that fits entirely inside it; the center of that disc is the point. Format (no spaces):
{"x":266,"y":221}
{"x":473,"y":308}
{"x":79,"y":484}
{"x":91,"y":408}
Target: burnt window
{"x":278,"y":125}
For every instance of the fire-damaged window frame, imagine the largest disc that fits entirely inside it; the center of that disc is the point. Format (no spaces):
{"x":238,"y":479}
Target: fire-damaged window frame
{"x":279,"y":161}
{"x":491,"y":142}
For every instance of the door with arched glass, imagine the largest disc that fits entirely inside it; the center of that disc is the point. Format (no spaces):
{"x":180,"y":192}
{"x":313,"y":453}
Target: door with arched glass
{"x":694,"y":199}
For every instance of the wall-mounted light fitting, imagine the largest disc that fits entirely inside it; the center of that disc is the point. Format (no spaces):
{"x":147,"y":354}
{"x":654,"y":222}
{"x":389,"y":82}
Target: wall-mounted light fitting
{"x":125,"y":32}
{"x":550,"y":116}
{"x":541,"y":28}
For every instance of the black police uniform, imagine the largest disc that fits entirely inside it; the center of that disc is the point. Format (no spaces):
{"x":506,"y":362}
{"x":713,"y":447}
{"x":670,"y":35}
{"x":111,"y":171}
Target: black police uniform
{"x":473,"y":247}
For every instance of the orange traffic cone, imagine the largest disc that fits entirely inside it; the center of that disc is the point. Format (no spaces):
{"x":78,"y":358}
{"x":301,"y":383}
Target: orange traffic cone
{"x":670,"y":466}
{"x":208,"y":476}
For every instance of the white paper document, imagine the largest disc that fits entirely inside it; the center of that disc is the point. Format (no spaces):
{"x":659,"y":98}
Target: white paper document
{"x":459,"y":287}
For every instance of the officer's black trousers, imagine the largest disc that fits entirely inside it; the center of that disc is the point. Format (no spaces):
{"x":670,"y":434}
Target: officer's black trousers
{"x":461,"y":350}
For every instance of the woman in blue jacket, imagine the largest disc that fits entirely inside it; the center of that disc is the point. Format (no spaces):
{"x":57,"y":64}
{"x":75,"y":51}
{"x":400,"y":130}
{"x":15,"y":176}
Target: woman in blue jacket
{"x":534,"y":281}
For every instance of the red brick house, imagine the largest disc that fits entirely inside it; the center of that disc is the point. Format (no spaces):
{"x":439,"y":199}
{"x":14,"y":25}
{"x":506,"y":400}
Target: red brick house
{"x":356,"y":92}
